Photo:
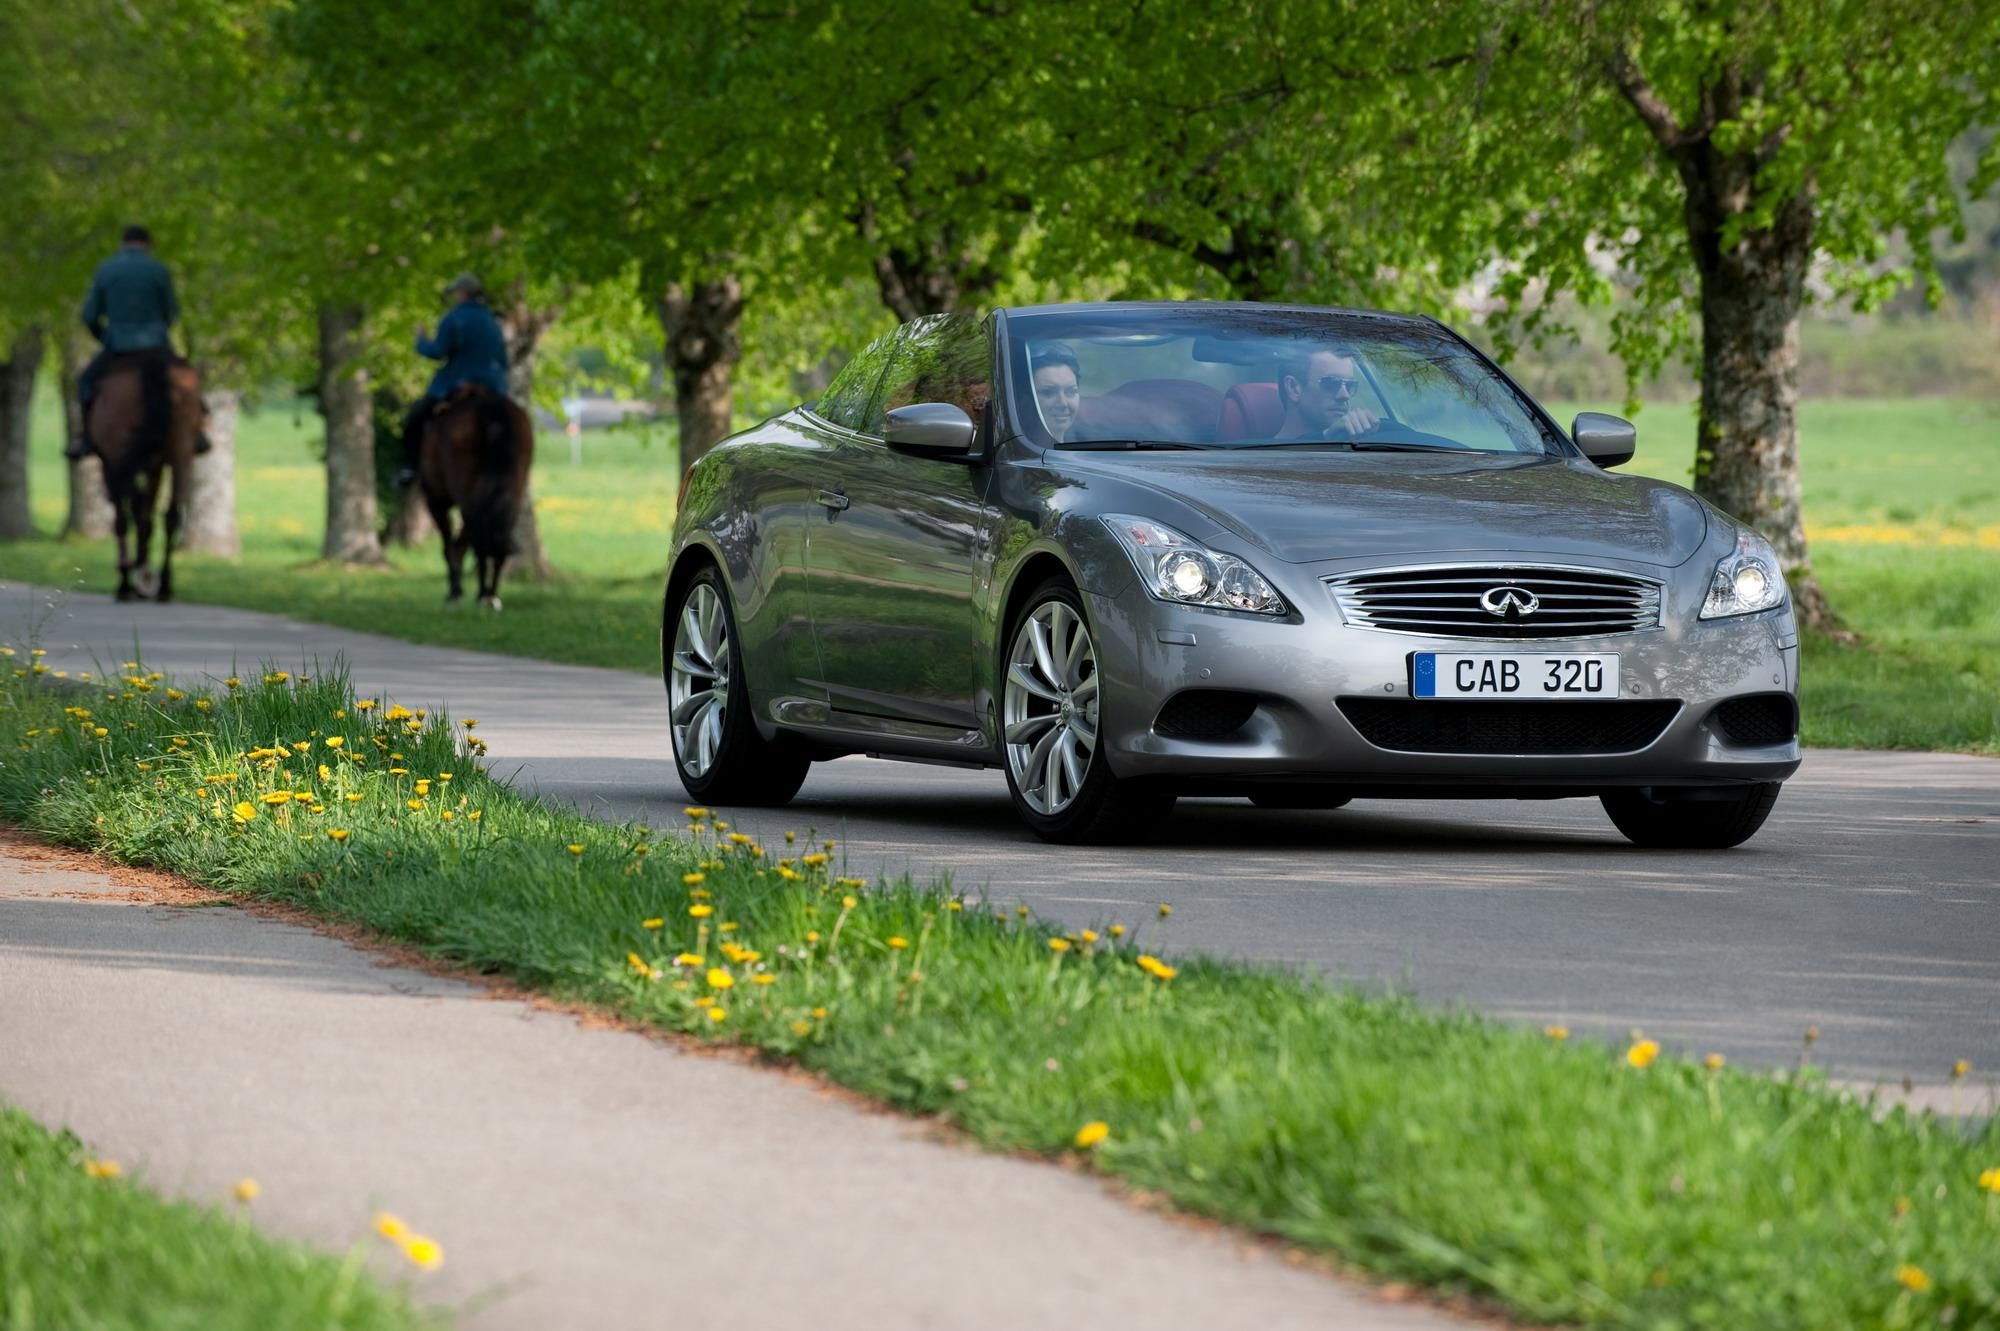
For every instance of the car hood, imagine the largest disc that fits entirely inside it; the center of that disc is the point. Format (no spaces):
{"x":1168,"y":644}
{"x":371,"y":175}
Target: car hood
{"x":1302,"y":507}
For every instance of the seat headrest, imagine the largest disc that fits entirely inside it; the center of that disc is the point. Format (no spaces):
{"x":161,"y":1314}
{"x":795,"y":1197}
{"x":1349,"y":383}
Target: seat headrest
{"x":1250,"y":411}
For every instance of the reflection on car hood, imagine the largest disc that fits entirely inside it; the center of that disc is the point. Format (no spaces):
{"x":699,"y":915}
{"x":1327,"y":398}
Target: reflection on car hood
{"x":1304,"y":506}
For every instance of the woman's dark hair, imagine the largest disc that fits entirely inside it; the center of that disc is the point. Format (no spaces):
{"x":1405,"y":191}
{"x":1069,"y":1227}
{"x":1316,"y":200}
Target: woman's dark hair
{"x":1042,"y":354}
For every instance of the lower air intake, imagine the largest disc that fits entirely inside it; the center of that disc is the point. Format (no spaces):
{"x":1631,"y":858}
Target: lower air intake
{"x":1417,"y":726}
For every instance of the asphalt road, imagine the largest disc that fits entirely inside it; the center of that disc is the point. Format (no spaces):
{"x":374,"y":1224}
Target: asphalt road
{"x":1869,"y":906}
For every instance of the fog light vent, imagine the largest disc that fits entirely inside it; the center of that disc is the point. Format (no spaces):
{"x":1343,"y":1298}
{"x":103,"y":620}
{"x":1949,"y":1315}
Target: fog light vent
{"x":1760,"y":719}
{"x":1204,"y":714}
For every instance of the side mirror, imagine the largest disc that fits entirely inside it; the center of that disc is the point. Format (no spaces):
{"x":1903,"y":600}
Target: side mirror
{"x":935,"y":429}
{"x":1605,"y":440}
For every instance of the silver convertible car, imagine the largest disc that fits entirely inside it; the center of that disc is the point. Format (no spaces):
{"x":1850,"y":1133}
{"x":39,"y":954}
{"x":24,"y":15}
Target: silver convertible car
{"x":1129,"y":552}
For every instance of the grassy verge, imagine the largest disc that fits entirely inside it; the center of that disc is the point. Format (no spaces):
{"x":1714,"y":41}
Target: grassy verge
{"x":1567,"y":1182}
{"x":82,"y":1248}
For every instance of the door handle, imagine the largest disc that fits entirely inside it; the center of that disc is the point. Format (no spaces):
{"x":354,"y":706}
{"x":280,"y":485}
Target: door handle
{"x":833,"y":499}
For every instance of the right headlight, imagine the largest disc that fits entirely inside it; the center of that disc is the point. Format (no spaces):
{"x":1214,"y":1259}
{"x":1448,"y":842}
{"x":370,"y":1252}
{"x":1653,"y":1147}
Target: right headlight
{"x":1175,"y":568}
{"x":1745,"y":582}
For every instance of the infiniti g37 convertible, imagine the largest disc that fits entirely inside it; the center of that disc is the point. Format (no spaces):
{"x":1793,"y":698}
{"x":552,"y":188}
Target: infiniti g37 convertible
{"x":1128,"y":552}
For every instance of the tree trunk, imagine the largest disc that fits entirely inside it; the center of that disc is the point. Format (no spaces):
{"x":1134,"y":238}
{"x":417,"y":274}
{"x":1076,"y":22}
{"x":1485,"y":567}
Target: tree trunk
{"x":523,"y":327}
{"x":17,"y":391}
{"x":89,"y":507}
{"x":703,"y":324}
{"x":211,"y":509}
{"x":1747,"y":461}
{"x":351,"y":533}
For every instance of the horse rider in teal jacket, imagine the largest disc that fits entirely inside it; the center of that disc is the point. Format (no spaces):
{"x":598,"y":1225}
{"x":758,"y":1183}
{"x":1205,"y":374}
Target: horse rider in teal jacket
{"x":130,"y":308}
{"x":474,"y":351}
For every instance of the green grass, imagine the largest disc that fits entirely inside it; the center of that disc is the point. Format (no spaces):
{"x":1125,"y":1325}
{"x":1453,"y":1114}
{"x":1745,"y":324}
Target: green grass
{"x":1902,"y":498}
{"x":85,"y":1253}
{"x":1551,"y":1177}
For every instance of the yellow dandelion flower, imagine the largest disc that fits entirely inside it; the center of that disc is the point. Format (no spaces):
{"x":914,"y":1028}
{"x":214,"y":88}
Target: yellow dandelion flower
{"x":719,"y":978}
{"x":335,"y":741}
{"x":423,"y":787}
{"x":1912,"y":1278}
{"x":470,"y":723}
{"x":1959,"y":1068}
{"x":1556,"y":1032}
{"x":413,"y":805}
{"x":277,"y":677}
{"x":694,"y":879}
{"x":1902,"y":1207}
{"x":813,"y":860}
{"x":423,"y":1252}
{"x":819,"y":1014}
{"x":447,"y":815}
{"x":640,"y":966}
{"x":365,"y":705}
{"x":641,"y":849}
{"x":474,"y":815}
{"x":244,"y":811}
{"x":812,"y":935}
{"x":717,"y":1013}
{"x":337,"y":834}
{"x":353,"y":798}
{"x":1642,"y":1053}
{"x":1165,"y":910}
{"x":1989,"y":1179}
{"x":850,"y":902}
{"x":689,"y":959}
{"x":763,"y":979}
{"x":738,"y":839}
{"x":701,"y":910}
{"x":955,"y":905}
{"x":899,"y":943}
{"x":103,"y":1168}
{"x":246,"y":1190}
{"x":1090,"y":1134}
{"x":575,"y":848}
{"x":801,"y":1027}
{"x":99,"y":731}
{"x":1714,"y":1062}
{"x":655,"y":923}
{"x":1088,"y":935}
{"x":695,"y":812}
{"x":1059,"y":945}
{"x":1117,"y":931}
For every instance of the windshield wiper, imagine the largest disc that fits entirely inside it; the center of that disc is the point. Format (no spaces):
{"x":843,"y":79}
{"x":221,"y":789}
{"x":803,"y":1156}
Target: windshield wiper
{"x":1363,"y":446}
{"x":1126,"y":445}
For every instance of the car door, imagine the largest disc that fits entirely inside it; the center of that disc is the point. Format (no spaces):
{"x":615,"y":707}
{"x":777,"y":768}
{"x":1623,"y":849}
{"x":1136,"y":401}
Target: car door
{"x":891,"y":567}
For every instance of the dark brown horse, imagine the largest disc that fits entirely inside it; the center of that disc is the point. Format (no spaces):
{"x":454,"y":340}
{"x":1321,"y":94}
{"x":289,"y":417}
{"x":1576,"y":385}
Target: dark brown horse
{"x":143,"y":422}
{"x":475,"y":456}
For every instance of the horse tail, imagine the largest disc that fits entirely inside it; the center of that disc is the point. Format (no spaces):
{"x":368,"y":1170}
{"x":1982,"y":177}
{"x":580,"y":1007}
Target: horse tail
{"x":156,"y":421}
{"x":496,"y":495}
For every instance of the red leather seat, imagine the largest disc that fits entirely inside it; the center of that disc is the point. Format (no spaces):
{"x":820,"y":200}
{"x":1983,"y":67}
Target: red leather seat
{"x":1250,"y":411}
{"x":1173,"y":409}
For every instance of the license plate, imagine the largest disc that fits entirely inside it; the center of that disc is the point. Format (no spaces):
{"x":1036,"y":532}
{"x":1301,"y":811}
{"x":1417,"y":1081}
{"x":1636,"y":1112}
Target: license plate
{"x":1517,"y":675}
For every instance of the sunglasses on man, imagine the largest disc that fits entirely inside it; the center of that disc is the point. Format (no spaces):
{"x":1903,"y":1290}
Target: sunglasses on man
{"x":1334,"y":383}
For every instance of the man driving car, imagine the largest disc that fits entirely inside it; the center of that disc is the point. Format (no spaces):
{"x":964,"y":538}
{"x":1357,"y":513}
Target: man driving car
{"x":1318,"y":387}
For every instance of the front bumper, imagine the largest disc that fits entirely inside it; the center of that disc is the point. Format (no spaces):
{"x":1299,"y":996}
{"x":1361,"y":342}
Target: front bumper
{"x":1297,"y":670}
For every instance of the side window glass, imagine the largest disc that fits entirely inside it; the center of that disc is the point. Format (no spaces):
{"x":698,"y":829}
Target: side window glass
{"x":942,"y":358}
{"x":848,"y":398}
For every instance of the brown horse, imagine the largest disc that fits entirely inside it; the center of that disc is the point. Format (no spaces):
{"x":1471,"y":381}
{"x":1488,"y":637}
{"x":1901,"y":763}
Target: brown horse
{"x":144,"y":420}
{"x":475,"y":456}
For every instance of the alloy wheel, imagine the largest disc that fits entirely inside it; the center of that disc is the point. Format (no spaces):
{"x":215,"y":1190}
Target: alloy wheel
{"x":698,"y":681}
{"x":1049,"y":707}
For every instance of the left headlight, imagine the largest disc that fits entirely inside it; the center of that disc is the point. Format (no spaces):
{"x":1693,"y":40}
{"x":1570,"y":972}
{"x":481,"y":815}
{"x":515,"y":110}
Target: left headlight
{"x":1175,"y":568}
{"x":1746,"y":581}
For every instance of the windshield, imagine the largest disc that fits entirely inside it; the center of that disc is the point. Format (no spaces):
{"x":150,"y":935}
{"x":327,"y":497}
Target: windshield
{"x":1195,"y":376}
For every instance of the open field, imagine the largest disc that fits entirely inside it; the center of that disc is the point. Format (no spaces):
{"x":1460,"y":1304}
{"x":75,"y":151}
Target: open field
{"x":1564,"y":1180}
{"x":1902,"y":497}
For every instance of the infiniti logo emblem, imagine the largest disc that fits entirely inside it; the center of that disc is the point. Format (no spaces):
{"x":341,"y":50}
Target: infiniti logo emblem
{"x":1510,"y":602}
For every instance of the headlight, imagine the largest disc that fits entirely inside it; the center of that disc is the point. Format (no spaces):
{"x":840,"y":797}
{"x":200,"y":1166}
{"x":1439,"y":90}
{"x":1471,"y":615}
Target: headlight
{"x":1176,"y":569}
{"x":1745,"y":582}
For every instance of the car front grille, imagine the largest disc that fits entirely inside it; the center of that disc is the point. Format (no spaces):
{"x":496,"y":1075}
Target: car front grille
{"x":1416,"y":726}
{"x":1759,"y":719}
{"x":1541,"y":601}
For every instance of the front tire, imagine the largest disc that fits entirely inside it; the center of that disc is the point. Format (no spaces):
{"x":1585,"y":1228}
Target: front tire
{"x":719,"y":754}
{"x":1050,"y":690}
{"x":1712,"y":820}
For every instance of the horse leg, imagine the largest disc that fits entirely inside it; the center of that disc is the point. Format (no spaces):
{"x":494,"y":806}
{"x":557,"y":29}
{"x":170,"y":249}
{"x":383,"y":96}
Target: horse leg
{"x":144,"y":497}
{"x":454,"y":544}
{"x":121,"y":525}
{"x":166,"y":589}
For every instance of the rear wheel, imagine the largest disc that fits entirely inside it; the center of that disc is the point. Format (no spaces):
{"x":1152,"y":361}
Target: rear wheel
{"x":1691,"y":820}
{"x":721,"y":757}
{"x":1050,"y":692}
